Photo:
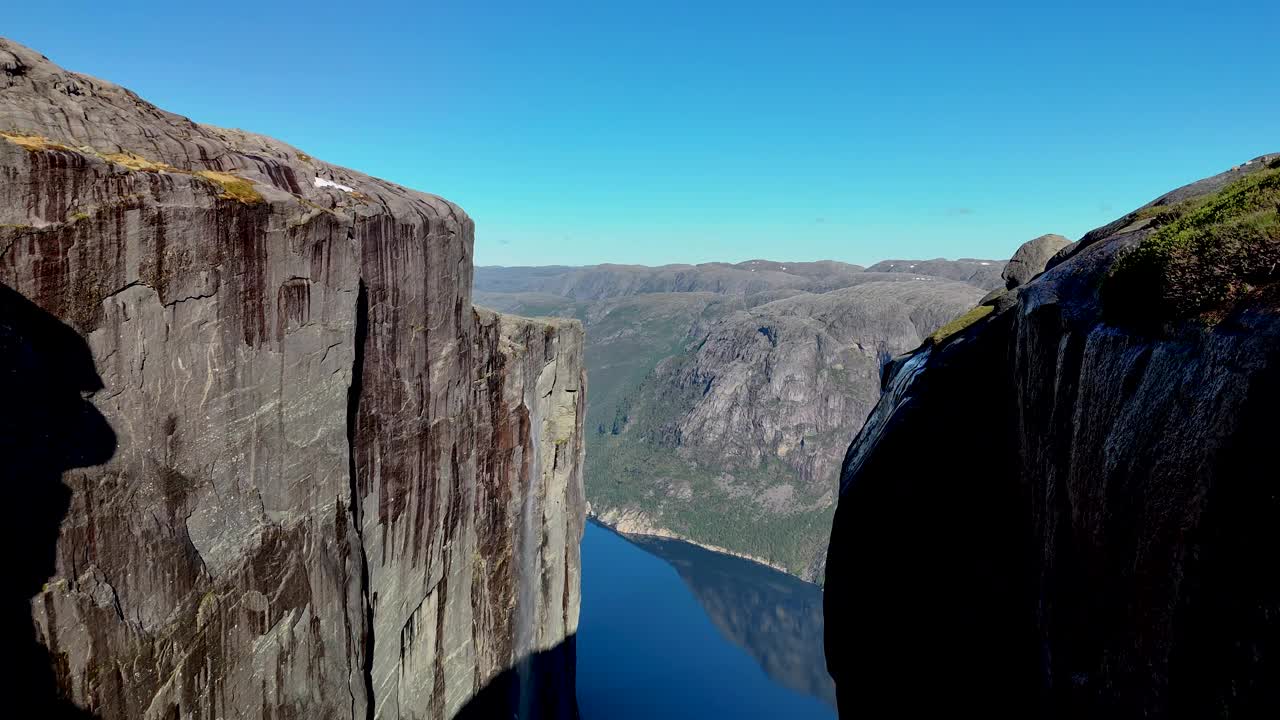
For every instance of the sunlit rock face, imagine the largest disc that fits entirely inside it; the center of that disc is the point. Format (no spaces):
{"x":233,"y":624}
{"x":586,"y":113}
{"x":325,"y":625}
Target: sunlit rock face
{"x":1066,"y":509}
{"x":312,"y":480}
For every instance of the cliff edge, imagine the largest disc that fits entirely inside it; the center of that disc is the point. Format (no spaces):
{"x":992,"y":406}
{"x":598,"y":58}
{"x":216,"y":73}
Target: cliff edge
{"x":272,"y":463}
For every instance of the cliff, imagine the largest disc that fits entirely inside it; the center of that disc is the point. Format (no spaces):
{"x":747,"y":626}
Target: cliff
{"x":272,"y":464}
{"x":1062,"y":507}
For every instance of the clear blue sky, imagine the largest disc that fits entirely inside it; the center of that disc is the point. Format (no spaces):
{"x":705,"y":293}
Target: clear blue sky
{"x":692,"y":131}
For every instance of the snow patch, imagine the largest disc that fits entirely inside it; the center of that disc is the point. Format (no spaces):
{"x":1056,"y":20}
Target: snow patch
{"x":321,"y":183}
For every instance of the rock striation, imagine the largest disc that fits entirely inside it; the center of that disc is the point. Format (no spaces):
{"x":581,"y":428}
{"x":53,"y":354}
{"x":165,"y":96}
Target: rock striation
{"x":1064,"y":507}
{"x":315,"y":482}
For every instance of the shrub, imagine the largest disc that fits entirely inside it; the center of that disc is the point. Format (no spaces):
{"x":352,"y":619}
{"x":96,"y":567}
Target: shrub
{"x":1205,"y":254}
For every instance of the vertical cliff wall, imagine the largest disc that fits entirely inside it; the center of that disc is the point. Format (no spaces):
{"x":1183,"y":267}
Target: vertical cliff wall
{"x":315,"y":482}
{"x":1066,"y":506}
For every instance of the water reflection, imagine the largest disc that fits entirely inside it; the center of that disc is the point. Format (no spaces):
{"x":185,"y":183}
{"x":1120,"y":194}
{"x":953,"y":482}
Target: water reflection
{"x":669,"y":630}
{"x":776,"y":618}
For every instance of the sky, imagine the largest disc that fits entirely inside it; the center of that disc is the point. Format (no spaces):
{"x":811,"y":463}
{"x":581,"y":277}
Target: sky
{"x":661,"y":132}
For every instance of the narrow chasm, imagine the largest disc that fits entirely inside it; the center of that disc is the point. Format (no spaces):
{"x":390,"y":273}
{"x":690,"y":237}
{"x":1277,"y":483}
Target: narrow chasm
{"x":357,"y":513}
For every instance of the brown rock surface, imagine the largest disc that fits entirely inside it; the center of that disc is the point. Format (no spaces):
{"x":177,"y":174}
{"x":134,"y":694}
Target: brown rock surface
{"x":336,"y":490}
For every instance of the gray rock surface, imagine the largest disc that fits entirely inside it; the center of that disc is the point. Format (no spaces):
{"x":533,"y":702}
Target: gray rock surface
{"x":335,"y":489}
{"x":1076,"y":517}
{"x":1031,"y":258}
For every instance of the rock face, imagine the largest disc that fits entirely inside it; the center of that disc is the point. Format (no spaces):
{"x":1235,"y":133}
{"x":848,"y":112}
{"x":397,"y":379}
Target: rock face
{"x":1059,"y":512}
{"x":303,"y":476}
{"x":721,"y":417}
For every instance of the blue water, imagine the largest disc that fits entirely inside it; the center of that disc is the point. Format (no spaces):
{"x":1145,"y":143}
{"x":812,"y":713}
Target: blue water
{"x":647,"y":648}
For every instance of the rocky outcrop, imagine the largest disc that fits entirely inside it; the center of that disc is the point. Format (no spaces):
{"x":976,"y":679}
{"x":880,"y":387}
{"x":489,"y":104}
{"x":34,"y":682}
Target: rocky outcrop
{"x":1030,"y":259}
{"x":1064,"y":508}
{"x":311,"y":480}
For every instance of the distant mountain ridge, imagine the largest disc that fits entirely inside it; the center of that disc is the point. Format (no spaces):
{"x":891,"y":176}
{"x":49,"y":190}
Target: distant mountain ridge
{"x":597,"y":282}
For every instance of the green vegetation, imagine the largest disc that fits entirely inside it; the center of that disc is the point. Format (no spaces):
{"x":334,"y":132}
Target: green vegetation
{"x":960,"y":323}
{"x":1205,"y":254}
{"x":633,"y":461}
{"x":624,"y":473}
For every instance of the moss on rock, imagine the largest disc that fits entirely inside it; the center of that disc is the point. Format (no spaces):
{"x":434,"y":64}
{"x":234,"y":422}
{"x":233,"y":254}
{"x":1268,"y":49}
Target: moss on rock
{"x":946,"y":331}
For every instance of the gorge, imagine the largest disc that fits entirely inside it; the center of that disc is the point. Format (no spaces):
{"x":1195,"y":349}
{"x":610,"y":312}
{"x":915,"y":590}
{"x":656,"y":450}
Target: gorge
{"x":275,"y":447}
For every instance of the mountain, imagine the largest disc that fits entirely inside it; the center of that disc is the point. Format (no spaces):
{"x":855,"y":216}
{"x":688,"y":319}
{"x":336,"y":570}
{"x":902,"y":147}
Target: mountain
{"x":983,"y":273}
{"x":1063,"y":506}
{"x":723,"y":396}
{"x":263,"y":458}
{"x":598,"y":282}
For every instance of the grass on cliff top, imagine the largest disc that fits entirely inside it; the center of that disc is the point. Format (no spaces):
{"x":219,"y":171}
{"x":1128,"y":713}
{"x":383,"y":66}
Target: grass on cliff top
{"x":969,"y":318}
{"x":137,"y":163}
{"x":1206,"y":254}
{"x":232,"y":186}
{"x":33,"y":143}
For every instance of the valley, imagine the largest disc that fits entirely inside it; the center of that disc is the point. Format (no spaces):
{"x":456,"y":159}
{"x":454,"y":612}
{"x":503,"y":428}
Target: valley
{"x":723,"y":396}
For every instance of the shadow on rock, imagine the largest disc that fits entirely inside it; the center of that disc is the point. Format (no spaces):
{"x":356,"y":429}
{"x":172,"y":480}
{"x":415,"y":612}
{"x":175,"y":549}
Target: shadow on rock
{"x":47,"y":427}
{"x":550,"y":695}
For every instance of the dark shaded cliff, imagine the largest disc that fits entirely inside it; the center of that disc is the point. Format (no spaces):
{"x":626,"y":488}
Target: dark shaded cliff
{"x":1065,"y":507}
{"x":317,"y":483}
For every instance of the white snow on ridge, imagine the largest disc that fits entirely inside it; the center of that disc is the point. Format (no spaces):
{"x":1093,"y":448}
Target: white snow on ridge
{"x":321,"y":182}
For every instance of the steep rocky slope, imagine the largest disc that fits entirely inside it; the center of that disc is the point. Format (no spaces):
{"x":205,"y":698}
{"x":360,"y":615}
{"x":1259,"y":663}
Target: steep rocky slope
{"x":1066,"y":508}
{"x":721,"y":417}
{"x":303,"y":477}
